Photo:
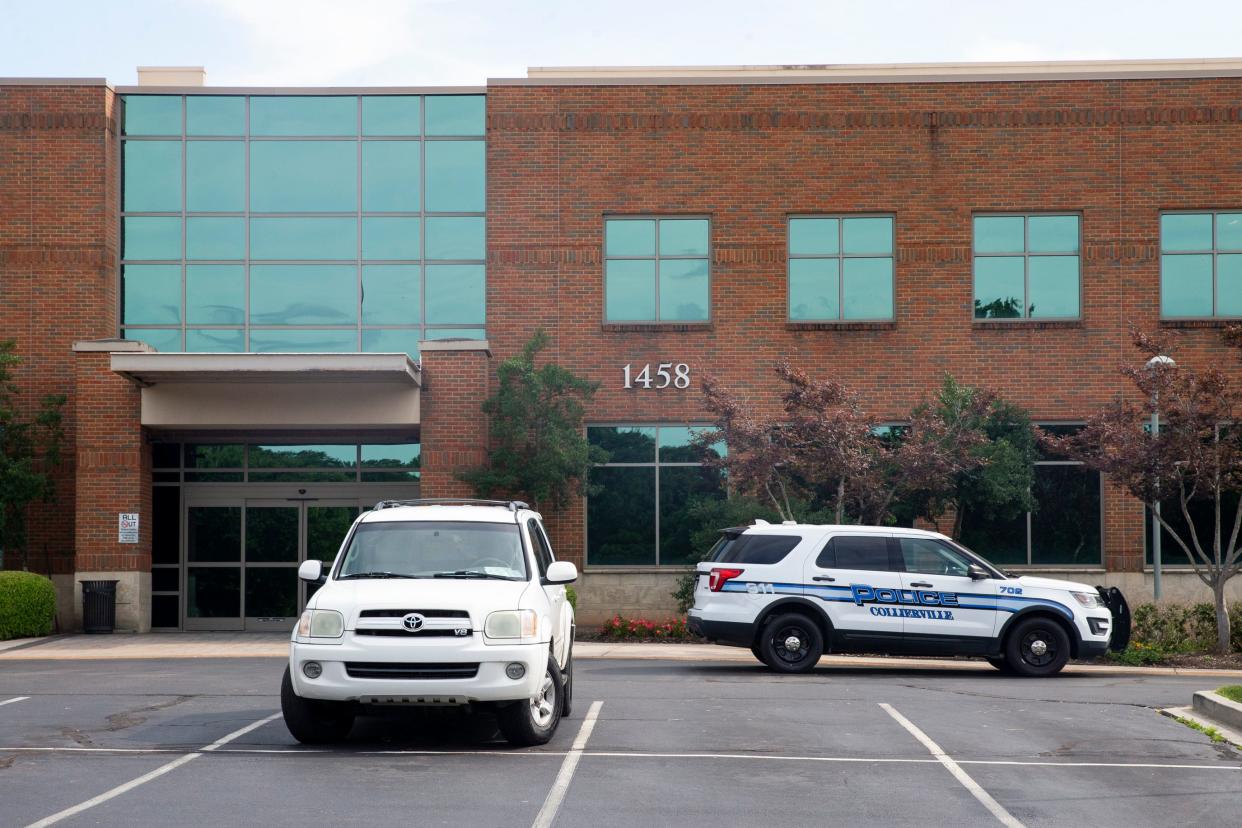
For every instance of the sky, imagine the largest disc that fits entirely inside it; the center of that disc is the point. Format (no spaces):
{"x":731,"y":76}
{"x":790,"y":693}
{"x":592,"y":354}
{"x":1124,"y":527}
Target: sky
{"x":465,"y":42}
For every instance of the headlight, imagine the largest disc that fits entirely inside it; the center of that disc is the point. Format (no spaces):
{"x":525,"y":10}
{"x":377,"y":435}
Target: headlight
{"x":321,"y":624}
{"x":1090,"y":600}
{"x":512,"y":624}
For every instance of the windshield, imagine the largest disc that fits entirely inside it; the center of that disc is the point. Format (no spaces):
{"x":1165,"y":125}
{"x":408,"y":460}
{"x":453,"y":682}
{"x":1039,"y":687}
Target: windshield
{"x":435,"y":549}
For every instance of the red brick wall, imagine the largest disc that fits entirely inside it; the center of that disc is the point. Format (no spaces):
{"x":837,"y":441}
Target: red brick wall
{"x":58,"y":246}
{"x":113,"y":469}
{"x":454,"y":430}
{"x":560,"y":158}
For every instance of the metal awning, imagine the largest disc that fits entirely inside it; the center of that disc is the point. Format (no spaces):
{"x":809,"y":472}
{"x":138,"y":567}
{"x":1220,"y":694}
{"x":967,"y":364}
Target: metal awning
{"x":268,"y":391}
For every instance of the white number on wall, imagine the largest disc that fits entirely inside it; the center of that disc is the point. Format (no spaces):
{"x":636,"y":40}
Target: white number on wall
{"x":665,"y":374}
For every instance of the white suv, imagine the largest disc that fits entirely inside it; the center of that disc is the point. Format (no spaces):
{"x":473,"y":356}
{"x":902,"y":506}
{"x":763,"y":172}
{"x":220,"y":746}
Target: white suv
{"x":435,"y":602}
{"x":793,"y":592}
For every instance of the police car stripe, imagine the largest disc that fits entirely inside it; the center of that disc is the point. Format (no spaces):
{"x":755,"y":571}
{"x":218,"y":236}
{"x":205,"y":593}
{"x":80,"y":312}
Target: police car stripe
{"x":1000,"y":603}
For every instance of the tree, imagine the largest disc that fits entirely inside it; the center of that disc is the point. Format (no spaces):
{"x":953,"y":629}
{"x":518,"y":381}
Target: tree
{"x":824,"y":452}
{"x":537,"y":446}
{"x":1196,"y":458}
{"x":999,"y":486}
{"x":28,"y":447}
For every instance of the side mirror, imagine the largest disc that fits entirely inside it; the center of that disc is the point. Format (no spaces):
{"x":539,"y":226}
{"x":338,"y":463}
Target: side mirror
{"x":561,"y":572}
{"x":311,"y":571}
{"x":977,"y":573}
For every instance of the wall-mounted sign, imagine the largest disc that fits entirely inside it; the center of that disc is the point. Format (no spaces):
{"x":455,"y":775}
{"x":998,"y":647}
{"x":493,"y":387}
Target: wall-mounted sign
{"x":127,"y":527}
{"x":676,"y":374}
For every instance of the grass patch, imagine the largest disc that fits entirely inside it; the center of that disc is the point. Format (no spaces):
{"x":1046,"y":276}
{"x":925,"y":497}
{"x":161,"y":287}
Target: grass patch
{"x":1233,"y":692}
{"x":1210,"y":732}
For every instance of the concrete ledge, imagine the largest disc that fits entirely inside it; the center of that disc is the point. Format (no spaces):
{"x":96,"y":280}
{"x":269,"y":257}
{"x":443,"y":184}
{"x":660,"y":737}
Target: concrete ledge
{"x":1190,"y":714}
{"x":1218,"y":708}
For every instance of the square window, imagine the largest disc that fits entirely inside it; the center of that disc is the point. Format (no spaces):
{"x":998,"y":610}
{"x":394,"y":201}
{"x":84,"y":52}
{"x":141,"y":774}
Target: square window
{"x":152,"y":295}
{"x":629,"y":237}
{"x":1030,"y":282}
{"x":391,"y":115}
{"x":215,"y":237}
{"x":656,"y":270}
{"x":456,"y":114}
{"x":683,"y":237}
{"x":683,"y":290}
{"x":215,"y":176}
{"x":1186,"y":285}
{"x":391,"y":295}
{"x":1185,"y":231}
{"x":1205,"y":283}
{"x":456,"y":237}
{"x":152,"y":180}
{"x":455,"y":294}
{"x":152,"y":115}
{"x":390,"y":176}
{"x":215,"y":294}
{"x":630,"y":290}
{"x":390,"y":237}
{"x":215,"y":115}
{"x":303,"y":176}
{"x":152,"y":237}
{"x":840,"y":268}
{"x":455,"y":175}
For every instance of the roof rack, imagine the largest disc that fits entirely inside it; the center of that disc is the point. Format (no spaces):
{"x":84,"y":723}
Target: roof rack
{"x":511,"y":505}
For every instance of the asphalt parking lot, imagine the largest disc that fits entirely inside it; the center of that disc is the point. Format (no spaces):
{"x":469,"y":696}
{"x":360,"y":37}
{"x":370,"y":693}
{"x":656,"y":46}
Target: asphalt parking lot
{"x":155,"y":742}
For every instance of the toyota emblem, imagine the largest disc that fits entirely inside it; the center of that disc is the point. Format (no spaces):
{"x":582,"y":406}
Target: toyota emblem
{"x":413,"y":622}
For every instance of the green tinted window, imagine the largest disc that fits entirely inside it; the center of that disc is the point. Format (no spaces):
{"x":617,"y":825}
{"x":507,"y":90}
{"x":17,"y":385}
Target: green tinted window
{"x":215,"y":176}
{"x":390,"y":237}
{"x":454,"y":333}
{"x":456,"y":237}
{"x":215,"y":237}
{"x":455,"y":176}
{"x":1199,"y":277}
{"x":456,"y":114}
{"x":642,"y":512}
{"x":656,"y":270}
{"x":303,"y":176}
{"x":303,"y":341}
{"x":304,"y":115}
{"x":390,"y":176}
{"x":215,"y":340}
{"x":1027,"y":267}
{"x":164,"y":340}
{"x":390,"y":341}
{"x":215,"y":115}
{"x":152,"y":115}
{"x":391,"y":115}
{"x":840,"y":268}
{"x":215,"y":294}
{"x":390,"y":295}
{"x":303,"y":295}
{"x":306,"y":237}
{"x":455,"y":294}
{"x":152,"y":295}
{"x":152,"y":180}
{"x":152,"y":237}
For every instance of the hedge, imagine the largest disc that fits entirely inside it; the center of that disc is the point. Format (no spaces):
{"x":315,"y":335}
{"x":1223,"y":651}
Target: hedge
{"x":27,"y":605}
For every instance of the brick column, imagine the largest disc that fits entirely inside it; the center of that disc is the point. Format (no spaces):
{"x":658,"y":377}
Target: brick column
{"x":113,"y":476}
{"x":455,"y":381}
{"x":1123,"y":530}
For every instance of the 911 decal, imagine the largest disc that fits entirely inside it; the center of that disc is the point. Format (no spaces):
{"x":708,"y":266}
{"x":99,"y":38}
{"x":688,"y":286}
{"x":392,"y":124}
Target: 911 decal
{"x":755,"y":588}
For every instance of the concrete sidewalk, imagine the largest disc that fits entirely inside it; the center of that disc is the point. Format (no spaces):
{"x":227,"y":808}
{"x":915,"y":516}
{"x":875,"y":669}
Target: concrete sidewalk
{"x":276,"y":645}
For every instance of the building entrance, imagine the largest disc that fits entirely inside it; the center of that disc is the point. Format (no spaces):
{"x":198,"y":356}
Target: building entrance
{"x":242,"y":546}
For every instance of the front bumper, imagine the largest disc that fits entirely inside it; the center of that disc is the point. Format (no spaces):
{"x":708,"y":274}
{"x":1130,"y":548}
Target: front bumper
{"x":489,"y":684}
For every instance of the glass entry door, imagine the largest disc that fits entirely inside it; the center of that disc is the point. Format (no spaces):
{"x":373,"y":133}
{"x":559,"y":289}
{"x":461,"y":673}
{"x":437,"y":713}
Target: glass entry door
{"x":242,"y":556}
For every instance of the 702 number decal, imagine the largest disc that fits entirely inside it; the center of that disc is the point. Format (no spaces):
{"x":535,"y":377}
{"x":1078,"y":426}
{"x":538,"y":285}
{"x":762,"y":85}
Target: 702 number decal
{"x":1007,"y":590}
{"x":666,"y":374}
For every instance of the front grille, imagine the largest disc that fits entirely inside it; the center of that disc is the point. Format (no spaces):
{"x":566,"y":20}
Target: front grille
{"x":385,"y":670}
{"x":401,"y":613}
{"x":423,"y":633}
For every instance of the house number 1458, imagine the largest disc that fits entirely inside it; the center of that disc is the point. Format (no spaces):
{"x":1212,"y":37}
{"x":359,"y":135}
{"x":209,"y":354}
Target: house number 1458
{"x":664,"y":375}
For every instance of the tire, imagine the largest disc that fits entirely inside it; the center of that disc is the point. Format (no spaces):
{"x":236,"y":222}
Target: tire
{"x":757,"y":652}
{"x":314,"y":722}
{"x":519,"y":722}
{"x":567,"y":691}
{"x":1037,"y":647}
{"x":783,"y":631}
{"x":1000,"y":663}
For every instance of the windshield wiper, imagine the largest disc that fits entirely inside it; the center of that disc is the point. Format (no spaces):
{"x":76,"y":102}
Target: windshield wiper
{"x":472,"y":573}
{"x":377,"y":575}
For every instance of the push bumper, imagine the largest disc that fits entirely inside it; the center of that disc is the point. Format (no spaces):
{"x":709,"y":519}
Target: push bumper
{"x":488,"y":684}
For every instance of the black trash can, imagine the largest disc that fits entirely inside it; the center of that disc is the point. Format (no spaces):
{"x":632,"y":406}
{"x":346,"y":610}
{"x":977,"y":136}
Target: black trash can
{"x":98,"y":606}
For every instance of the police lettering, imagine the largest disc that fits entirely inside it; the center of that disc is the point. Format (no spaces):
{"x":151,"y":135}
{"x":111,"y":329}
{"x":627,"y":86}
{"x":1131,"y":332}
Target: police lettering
{"x":864,"y":594}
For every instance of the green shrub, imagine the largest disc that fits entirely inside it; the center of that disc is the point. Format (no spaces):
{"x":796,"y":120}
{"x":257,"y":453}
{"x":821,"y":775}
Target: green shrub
{"x":571,"y":595}
{"x":27,"y":605}
{"x":1139,"y":654}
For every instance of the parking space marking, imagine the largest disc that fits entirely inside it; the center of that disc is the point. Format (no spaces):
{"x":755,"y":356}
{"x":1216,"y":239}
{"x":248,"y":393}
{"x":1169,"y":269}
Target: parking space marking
{"x":1004,"y":817}
{"x":547,"y":814}
{"x":10,"y":701}
{"x":147,"y":777}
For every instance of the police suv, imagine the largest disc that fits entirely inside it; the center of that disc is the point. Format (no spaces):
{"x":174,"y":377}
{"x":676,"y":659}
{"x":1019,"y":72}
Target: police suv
{"x":435,"y":602}
{"x":792,"y":592}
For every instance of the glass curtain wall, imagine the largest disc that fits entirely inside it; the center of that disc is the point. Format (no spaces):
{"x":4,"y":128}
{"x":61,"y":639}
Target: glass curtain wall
{"x":302,"y":222}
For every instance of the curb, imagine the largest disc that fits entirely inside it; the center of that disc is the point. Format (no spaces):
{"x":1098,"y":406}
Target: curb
{"x":26,"y":643}
{"x":1217,"y":707}
{"x":1232,"y":737}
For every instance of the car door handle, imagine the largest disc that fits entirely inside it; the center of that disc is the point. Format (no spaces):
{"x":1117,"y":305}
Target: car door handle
{"x":823,"y":578}
{"x":920,"y":584}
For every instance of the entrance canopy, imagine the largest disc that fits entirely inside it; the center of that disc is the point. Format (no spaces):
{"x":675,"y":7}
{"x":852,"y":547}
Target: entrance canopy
{"x":206,"y":392}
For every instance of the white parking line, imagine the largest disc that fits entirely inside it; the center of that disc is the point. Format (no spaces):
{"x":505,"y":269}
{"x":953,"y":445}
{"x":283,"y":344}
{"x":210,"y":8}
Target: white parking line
{"x":10,"y":701}
{"x":1007,"y":819}
{"x":547,"y":814}
{"x":147,"y":777}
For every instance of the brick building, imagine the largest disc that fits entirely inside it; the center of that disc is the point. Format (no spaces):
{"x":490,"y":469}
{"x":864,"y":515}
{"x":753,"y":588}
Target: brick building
{"x":272,"y":307}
